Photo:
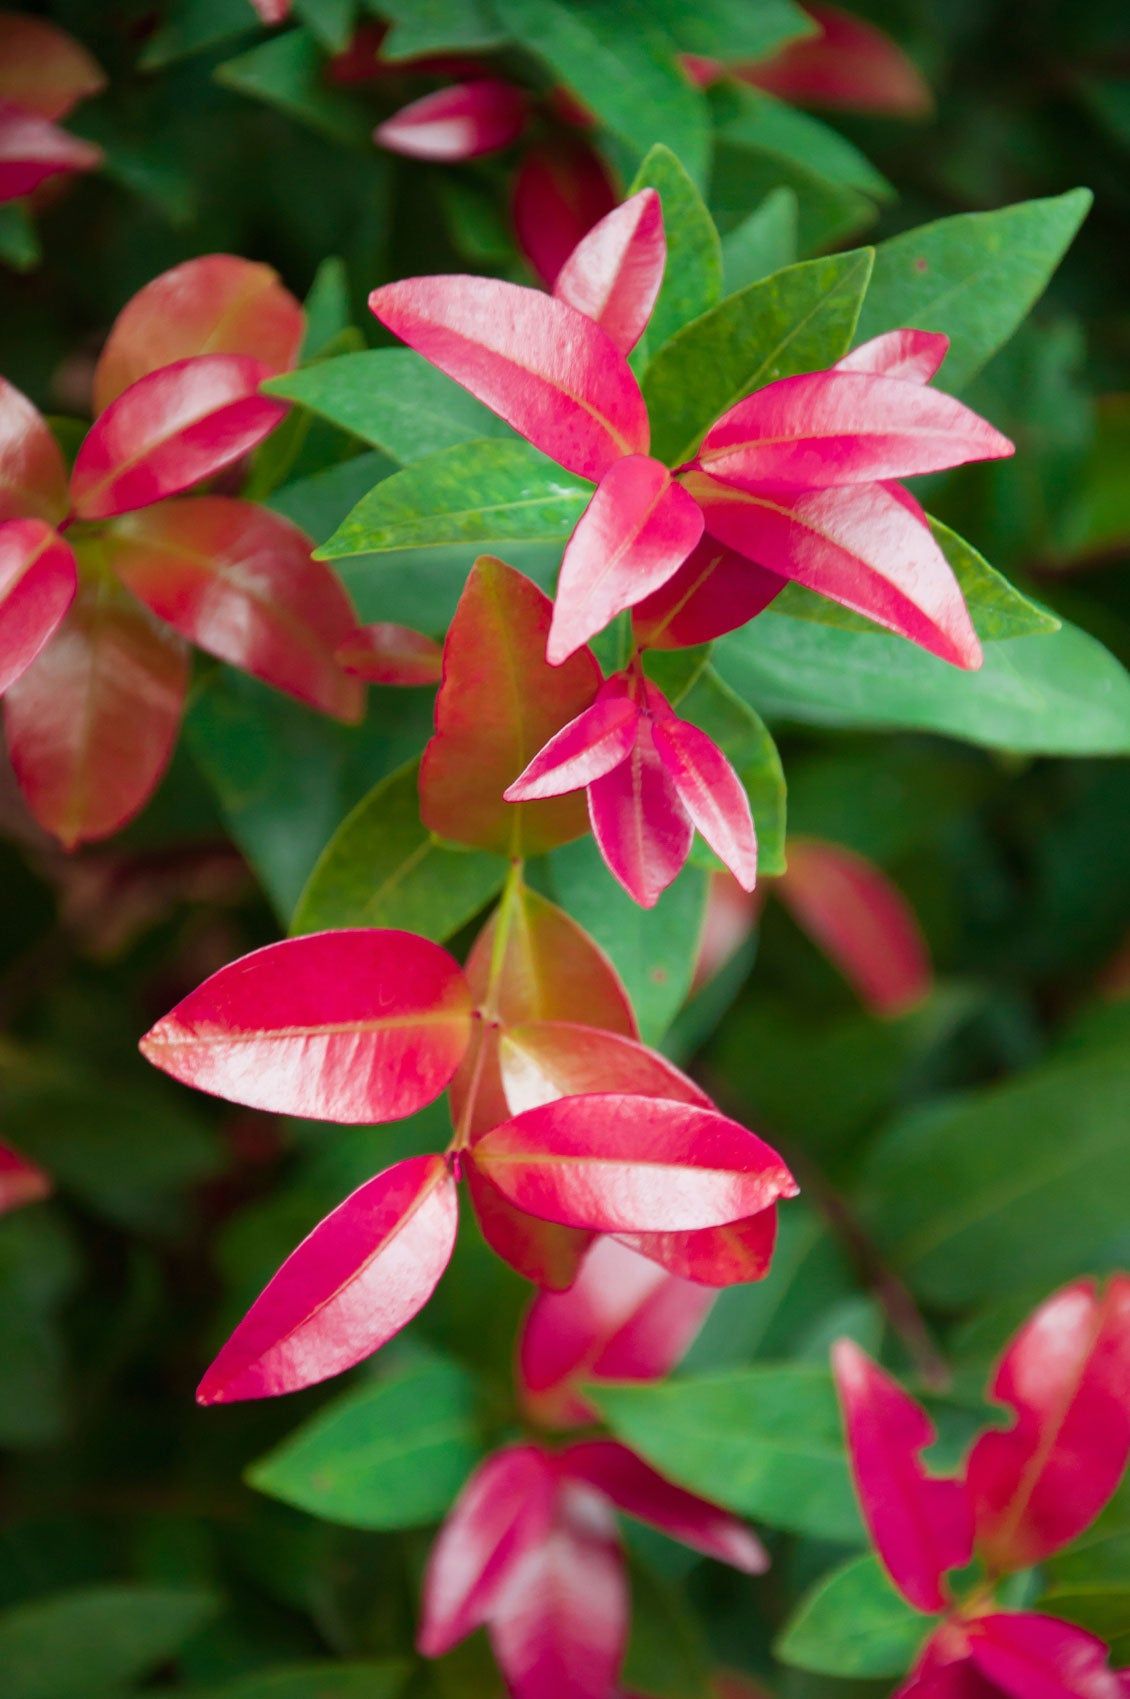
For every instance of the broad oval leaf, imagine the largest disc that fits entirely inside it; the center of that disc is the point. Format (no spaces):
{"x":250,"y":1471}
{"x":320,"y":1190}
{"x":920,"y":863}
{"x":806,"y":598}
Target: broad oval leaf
{"x":614,"y":273}
{"x":37,"y":586}
{"x":353,"y":1283}
{"x":356,"y":1026}
{"x":33,"y":478}
{"x":462,"y":121}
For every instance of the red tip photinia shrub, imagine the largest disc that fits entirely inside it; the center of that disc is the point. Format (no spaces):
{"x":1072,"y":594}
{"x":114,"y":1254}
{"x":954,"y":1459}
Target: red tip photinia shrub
{"x":1026,"y":1491}
{"x":44,"y":74}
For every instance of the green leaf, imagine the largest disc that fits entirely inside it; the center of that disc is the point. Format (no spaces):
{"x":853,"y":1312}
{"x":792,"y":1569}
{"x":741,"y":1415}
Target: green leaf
{"x":384,"y":1680}
{"x":743,"y":737}
{"x":431,"y":26}
{"x":39,"y":1270}
{"x":327,"y":307}
{"x":389,"y":1455}
{"x":747,"y":118}
{"x":1061,"y":694}
{"x":382,"y":867}
{"x":286,"y":72}
{"x":19,"y":239}
{"x":766,"y":1442}
{"x":798,"y":320}
{"x":975,"y":277}
{"x":78,"y":1644}
{"x":735,"y":31}
{"x":612,"y":55}
{"x":667,"y":1655}
{"x":189,"y":26}
{"x":329,"y":21}
{"x":827,"y":213}
{"x":391,"y":398}
{"x":692,"y":278}
{"x":319,"y":503}
{"x":764,"y":242}
{"x":854,"y":1623}
{"x":997,"y":608}
{"x":485,"y":494}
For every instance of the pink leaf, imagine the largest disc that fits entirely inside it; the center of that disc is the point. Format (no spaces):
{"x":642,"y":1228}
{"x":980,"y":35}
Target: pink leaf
{"x":732,"y":1255}
{"x":711,"y":793}
{"x":391,"y":654}
{"x":921,"y":1526}
{"x":731,"y":915}
{"x":632,"y":1165}
{"x":241,"y":582}
{"x":504,"y":1511}
{"x":1037,"y":1657}
{"x":844,"y":427}
{"x":714,"y":591}
{"x":861,"y":921}
{"x":1065,"y":1375}
{"x":635,"y":533}
{"x":21,"y":1182}
{"x":913,"y":355}
{"x":542,"y":366}
{"x":623,"y":1319}
{"x":37,"y":586}
{"x":585,"y":749}
{"x":42,"y":68}
{"x":862,"y":546}
{"x":614,"y":273}
{"x":32,"y":149}
{"x":957,"y":1680}
{"x":353,"y":1283}
{"x":851,"y":66}
{"x":33,"y":478}
{"x":540,"y":1251}
{"x":353,"y":1026}
{"x":170,"y":430}
{"x":640,"y":1491}
{"x":463,"y":121}
{"x":561,"y":190}
{"x":641,"y":828}
{"x":272,"y":11}
{"x":545,"y":1060}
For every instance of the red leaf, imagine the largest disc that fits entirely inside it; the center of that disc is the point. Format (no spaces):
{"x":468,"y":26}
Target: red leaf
{"x":1065,"y":1375}
{"x":623,"y":1319}
{"x":93,"y":721}
{"x":170,"y":430}
{"x":710,"y":791}
{"x":216,"y":304}
{"x":731,"y":915}
{"x":641,"y":828}
{"x":1036,"y":1657}
{"x":732,"y":1255}
{"x":585,"y":749}
{"x":635,"y":533}
{"x":33,"y":478}
{"x":42,"y":68}
{"x":714,"y":591}
{"x":353,"y":1283}
{"x":614,"y":273}
{"x":241,"y":582}
{"x":540,"y":1251}
{"x":391,"y":654}
{"x":561,"y":190}
{"x":825,"y":429}
{"x":957,"y":1680}
{"x":504,"y":1511}
{"x":542,"y":366}
{"x":913,"y":355}
{"x":32,"y":149}
{"x":861,"y":921}
{"x":500,"y":701}
{"x":544,"y":1060}
{"x":640,"y":1491}
{"x":355,"y":1026}
{"x":21,"y":1182}
{"x":863,"y":546}
{"x":463,"y":121}
{"x":632,"y":1165}
{"x":37,"y":586}
{"x":851,"y":66}
{"x":272,"y":11}
{"x":921,"y":1526}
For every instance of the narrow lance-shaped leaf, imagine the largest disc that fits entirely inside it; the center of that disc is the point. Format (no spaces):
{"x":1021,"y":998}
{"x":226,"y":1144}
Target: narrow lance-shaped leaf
{"x":614,"y":273}
{"x":359,"y":1277}
{"x":355,"y":1026}
{"x":640,"y":825}
{"x":37,"y":586}
{"x":560,"y":191}
{"x":711,"y":792}
{"x":463,"y":121}
{"x":33,"y":478}
{"x":589,"y":746}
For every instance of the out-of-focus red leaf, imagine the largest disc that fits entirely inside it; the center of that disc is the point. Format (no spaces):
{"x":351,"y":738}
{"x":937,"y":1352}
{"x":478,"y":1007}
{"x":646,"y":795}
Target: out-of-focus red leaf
{"x":545,"y":1060}
{"x":714,"y":591}
{"x":731,"y":915}
{"x":636,"y":532}
{"x":861,"y":921}
{"x":733,"y":1255}
{"x":171,"y":430}
{"x":957,"y":1680}
{"x":33,"y":478}
{"x":864,"y":546}
{"x":540,"y":1251}
{"x":623,"y":1164}
{"x":585,"y":749}
{"x":851,"y":66}
{"x":498,"y":703}
{"x":216,"y":304}
{"x":638,"y":1490}
{"x":539,"y":364}
{"x":241,"y":582}
{"x":463,"y":121}
{"x":272,"y":11}
{"x":913,"y":355}
{"x":504,"y":1511}
{"x":42,"y":68}
{"x":92,"y":722}
{"x":359,"y":1025}
{"x":353,"y":1283}
{"x":21,"y":1182}
{"x":561,"y":190}
{"x":1037,"y":1657}
{"x":710,"y":791}
{"x":32,"y":149}
{"x":614,"y":273}
{"x":1065,"y":1376}
{"x":391,"y":654}
{"x":623,"y":1319}
{"x":922,"y":1526}
{"x":641,"y":827}
{"x":37,"y":586}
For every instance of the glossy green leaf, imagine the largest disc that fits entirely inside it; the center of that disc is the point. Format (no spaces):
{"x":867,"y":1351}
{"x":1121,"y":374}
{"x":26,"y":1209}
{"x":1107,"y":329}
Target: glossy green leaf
{"x":285,"y":71}
{"x":766,"y":1442}
{"x":392,"y":1454}
{"x":853,"y":1623}
{"x":744,"y":739}
{"x":764,"y":242}
{"x":478,"y":493}
{"x":692,"y":278}
{"x":747,"y":118}
{"x":383,"y":1680}
{"x":827,"y":213}
{"x":431,"y":26}
{"x":975,"y":277}
{"x":735,"y":31}
{"x":189,"y":26}
{"x":798,"y":320}
{"x":330,"y":22}
{"x":382,"y":867}
{"x":77,"y":1644}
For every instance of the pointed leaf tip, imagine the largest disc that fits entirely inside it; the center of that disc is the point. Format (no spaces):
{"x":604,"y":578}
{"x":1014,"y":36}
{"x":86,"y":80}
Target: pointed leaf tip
{"x":462,"y":121}
{"x":614,"y":273}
